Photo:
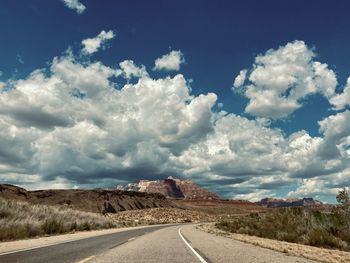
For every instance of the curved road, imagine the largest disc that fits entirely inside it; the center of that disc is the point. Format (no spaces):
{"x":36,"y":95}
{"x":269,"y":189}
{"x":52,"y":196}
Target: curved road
{"x":77,"y":250}
{"x":179,"y":243}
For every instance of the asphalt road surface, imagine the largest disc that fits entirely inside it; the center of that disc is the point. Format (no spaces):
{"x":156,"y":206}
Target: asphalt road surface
{"x":168,"y":244}
{"x":75,"y":251}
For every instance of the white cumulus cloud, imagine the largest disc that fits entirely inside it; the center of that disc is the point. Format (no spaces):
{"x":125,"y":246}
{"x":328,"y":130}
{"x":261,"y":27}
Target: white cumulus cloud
{"x":336,"y":130}
{"x":128,"y":69}
{"x":75,"y":5}
{"x":280,"y":79}
{"x":239,"y":80}
{"x":171,"y":61}
{"x":340,"y":101}
{"x":68,"y":125}
{"x":92,"y":45}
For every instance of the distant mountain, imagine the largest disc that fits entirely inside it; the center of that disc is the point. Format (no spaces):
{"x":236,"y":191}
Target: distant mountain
{"x":274,"y":202}
{"x":171,"y":188}
{"x":95,"y":200}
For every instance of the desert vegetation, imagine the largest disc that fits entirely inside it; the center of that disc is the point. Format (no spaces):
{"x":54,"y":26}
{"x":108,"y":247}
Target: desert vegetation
{"x":299,"y":225}
{"x":162,"y":215}
{"x":23,"y":220}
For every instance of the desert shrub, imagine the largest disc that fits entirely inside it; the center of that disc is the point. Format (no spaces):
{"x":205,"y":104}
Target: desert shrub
{"x":85,"y":226}
{"x":22,"y":220}
{"x":53,"y":226}
{"x":322,"y":238}
{"x":343,"y":213}
{"x":293,"y":224}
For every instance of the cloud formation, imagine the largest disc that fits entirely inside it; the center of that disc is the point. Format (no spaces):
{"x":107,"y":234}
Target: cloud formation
{"x":240,"y":79}
{"x":75,"y":5}
{"x":128,"y":69}
{"x":170,"y":62}
{"x":340,"y":101}
{"x":74,"y":123}
{"x":92,"y":45}
{"x":280,"y":79}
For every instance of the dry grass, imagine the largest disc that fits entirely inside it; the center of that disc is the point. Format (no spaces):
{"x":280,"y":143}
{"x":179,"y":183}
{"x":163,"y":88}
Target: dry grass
{"x":164,"y":215}
{"x":294,"y":224}
{"x":223,"y":208}
{"x":292,"y":249}
{"x":20,"y":220}
{"x":160,"y":216}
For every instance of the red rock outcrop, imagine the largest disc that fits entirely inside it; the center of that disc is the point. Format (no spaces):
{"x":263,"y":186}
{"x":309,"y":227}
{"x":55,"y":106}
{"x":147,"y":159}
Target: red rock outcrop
{"x":172,"y":188}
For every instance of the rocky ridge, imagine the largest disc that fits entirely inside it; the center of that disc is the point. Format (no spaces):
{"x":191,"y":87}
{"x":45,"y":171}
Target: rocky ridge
{"x":95,"y":200}
{"x":171,"y":188}
{"x":275,"y":202}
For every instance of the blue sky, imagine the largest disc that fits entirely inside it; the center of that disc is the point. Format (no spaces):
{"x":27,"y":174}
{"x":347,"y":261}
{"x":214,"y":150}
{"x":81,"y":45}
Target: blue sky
{"x":217,"y":40}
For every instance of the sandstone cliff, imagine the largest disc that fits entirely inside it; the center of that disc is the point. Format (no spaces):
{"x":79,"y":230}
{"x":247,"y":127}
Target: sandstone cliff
{"x":171,"y":188}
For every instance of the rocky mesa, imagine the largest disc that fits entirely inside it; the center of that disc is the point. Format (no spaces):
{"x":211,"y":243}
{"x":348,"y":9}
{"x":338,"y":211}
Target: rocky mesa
{"x":275,"y":202}
{"x":171,"y":188}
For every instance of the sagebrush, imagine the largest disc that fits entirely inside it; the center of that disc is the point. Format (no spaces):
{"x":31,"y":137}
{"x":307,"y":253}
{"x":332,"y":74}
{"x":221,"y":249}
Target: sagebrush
{"x":23,"y":220}
{"x":294,"y":224}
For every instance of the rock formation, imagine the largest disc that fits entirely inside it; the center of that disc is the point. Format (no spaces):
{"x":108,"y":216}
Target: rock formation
{"x":96,"y":200}
{"x":171,"y":188}
{"x":274,"y":202}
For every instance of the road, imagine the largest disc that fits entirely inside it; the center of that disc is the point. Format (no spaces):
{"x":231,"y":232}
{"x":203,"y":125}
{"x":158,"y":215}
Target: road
{"x":179,"y":243}
{"x":75,"y":251}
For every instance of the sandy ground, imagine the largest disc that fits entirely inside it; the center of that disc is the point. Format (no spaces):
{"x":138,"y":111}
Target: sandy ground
{"x":50,"y":240}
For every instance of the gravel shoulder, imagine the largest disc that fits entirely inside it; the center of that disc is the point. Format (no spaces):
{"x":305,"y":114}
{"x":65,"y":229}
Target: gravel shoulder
{"x":312,"y":254}
{"x":219,"y":249}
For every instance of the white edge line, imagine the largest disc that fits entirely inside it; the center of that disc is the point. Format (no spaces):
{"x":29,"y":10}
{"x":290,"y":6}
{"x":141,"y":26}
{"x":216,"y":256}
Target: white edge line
{"x":86,"y":259}
{"x":192,"y":249}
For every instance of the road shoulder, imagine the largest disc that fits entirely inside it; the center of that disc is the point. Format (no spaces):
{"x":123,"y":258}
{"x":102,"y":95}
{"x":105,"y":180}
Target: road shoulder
{"x":292,"y":249}
{"x":221,"y":249}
